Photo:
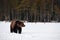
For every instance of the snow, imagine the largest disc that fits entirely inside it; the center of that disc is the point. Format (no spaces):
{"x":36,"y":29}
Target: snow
{"x":32,"y":31}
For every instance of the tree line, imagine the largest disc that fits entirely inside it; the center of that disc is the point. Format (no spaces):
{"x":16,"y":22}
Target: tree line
{"x":30,"y":10}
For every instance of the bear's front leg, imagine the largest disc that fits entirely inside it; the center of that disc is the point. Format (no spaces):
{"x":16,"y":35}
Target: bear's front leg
{"x":15,"y":30}
{"x":20,"y":30}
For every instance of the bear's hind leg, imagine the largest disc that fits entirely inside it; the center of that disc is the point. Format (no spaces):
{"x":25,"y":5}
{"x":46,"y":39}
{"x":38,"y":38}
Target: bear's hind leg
{"x":11,"y":30}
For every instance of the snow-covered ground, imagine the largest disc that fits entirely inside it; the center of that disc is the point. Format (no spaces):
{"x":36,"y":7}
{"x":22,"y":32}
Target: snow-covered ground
{"x":32,"y":31}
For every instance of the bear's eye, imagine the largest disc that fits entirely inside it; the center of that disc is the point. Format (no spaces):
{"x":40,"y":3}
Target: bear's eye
{"x":22,"y":24}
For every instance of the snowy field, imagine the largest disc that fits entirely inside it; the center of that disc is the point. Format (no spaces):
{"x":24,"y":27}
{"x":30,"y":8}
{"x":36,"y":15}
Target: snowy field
{"x":32,"y":31}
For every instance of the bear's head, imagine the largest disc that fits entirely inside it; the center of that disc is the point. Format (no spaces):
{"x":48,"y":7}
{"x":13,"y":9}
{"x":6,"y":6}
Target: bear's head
{"x":19,"y":24}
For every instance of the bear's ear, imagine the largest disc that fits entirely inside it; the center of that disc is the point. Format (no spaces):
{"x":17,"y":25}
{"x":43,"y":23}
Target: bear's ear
{"x":17,"y":22}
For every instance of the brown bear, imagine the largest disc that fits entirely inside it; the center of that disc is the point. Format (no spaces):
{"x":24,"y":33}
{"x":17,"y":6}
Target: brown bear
{"x":16,"y":26}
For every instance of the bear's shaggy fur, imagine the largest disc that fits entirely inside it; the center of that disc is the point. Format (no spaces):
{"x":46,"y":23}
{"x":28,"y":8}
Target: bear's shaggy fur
{"x":16,"y":26}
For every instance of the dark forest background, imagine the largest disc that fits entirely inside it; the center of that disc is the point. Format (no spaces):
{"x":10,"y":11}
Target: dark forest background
{"x":30,"y":10}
